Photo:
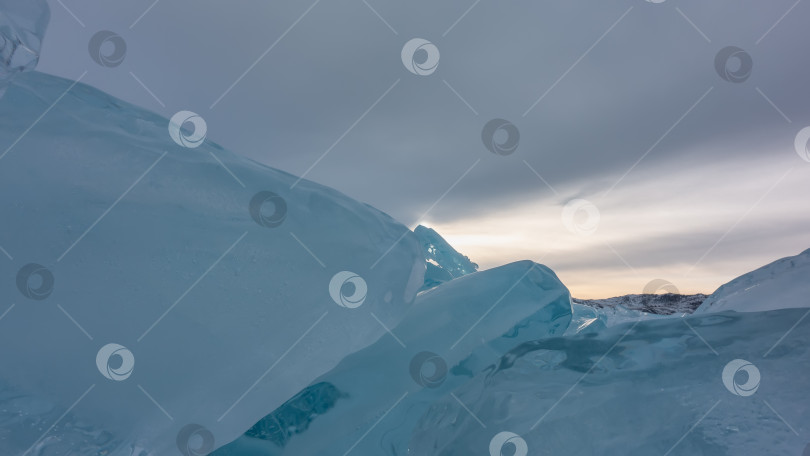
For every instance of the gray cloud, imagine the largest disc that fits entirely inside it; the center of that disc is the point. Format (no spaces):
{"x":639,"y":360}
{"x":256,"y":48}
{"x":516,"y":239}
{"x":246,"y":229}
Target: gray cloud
{"x":665,"y":251}
{"x":589,"y":129}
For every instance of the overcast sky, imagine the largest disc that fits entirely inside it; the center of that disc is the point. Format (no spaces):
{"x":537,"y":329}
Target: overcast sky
{"x":619,"y":103}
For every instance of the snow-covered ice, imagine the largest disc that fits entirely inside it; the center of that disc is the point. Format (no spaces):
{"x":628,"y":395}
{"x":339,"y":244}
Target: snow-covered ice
{"x":650,"y":387}
{"x":783,"y":284}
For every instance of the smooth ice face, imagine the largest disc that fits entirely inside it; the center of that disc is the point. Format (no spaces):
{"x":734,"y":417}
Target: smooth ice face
{"x":585,"y":319}
{"x":783,"y":284}
{"x":593,"y":319}
{"x":173,"y":296}
{"x":652,"y":387}
{"x":451,"y":333}
{"x":22,"y":27}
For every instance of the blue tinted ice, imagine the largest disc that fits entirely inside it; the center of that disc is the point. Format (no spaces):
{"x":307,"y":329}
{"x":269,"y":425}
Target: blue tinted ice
{"x":450,"y":334}
{"x":650,"y":387}
{"x":149,"y":273}
{"x":22,"y":27}
{"x":443,"y":262}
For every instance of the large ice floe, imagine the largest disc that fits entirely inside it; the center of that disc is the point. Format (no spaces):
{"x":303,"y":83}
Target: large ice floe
{"x":451,"y":333}
{"x":160,"y":294}
{"x":163,"y":296}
